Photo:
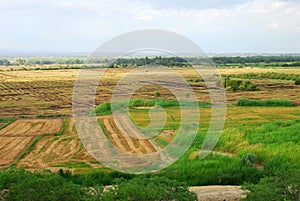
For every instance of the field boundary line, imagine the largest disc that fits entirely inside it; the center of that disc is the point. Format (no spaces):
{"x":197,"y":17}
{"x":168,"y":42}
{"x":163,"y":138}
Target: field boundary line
{"x":7,"y":123}
{"x":27,"y":150}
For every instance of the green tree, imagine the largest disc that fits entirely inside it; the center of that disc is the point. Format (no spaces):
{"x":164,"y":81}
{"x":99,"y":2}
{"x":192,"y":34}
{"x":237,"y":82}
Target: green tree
{"x":23,"y":185}
{"x":282,"y":186}
{"x":5,"y":62}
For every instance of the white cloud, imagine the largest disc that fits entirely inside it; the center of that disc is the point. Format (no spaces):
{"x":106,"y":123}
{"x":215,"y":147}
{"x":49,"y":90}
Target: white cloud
{"x":82,"y":25}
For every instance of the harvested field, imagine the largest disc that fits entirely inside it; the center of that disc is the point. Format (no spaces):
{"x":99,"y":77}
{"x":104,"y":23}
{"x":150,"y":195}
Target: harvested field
{"x":16,"y":137}
{"x":11,"y":148}
{"x":126,"y":142}
{"x":52,"y":150}
{"x":32,"y":127}
{"x":50,"y":92}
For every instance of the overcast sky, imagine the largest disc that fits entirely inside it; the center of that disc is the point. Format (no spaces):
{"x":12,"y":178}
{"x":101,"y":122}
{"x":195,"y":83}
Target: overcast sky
{"x":217,"y":26}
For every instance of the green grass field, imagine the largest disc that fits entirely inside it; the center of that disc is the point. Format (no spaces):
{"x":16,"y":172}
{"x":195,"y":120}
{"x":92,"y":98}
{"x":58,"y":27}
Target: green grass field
{"x":274,"y":139}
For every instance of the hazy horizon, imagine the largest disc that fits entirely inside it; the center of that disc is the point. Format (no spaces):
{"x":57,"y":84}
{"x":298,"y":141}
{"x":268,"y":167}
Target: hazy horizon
{"x":16,"y":54}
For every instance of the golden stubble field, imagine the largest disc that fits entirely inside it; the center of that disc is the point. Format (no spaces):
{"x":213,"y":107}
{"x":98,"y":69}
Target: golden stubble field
{"x":50,"y":92}
{"x":52,"y":150}
{"x":16,"y":137}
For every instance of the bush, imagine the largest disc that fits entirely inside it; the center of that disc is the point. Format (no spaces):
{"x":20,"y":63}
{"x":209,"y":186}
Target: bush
{"x":239,"y":85}
{"x":153,"y":188}
{"x":268,"y":75}
{"x":283,"y":186}
{"x":104,"y":108}
{"x":265,"y":102}
{"x":167,"y":103}
{"x":157,"y":94}
{"x":149,"y":103}
{"x":249,"y":159}
{"x":248,"y":86}
{"x":23,"y":185}
{"x":137,"y":102}
{"x":297,"y":82}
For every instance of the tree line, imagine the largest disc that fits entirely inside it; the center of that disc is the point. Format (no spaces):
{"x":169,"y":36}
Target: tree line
{"x":274,"y":61}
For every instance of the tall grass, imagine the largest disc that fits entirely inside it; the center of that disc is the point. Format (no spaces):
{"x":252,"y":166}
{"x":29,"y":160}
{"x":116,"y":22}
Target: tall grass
{"x":268,"y":75}
{"x":73,"y":165}
{"x":268,"y":141}
{"x":102,"y":109}
{"x":105,"y":108}
{"x":213,"y":170}
{"x":265,"y":102}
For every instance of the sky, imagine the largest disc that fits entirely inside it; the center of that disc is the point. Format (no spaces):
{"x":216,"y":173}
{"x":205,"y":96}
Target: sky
{"x":217,"y":26}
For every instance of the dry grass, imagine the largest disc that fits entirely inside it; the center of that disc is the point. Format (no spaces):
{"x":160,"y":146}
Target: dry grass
{"x":11,"y":148}
{"x":52,"y":150}
{"x":125,"y":142}
{"x":50,"y":92}
{"x":32,"y":127}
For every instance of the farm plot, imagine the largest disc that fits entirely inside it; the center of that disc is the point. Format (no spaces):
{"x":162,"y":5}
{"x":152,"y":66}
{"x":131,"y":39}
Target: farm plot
{"x":11,"y":148}
{"x":17,"y":136}
{"x":58,"y":151}
{"x":32,"y":127}
{"x":126,"y":142}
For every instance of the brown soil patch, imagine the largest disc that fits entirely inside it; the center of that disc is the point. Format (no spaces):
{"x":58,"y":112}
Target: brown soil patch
{"x":218,"y":193}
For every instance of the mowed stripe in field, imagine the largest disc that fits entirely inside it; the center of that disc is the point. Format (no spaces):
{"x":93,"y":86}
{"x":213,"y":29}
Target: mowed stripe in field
{"x":52,"y":150}
{"x":17,"y":136}
{"x":32,"y":127}
{"x":11,"y":148}
{"x":126,"y":142}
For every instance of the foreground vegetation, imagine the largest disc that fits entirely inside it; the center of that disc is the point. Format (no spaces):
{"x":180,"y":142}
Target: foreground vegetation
{"x":21,"y":185}
{"x":282,"y":186}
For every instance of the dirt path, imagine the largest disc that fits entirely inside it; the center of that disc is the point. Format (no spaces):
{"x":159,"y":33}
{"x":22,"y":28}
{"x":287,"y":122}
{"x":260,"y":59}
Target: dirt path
{"x":218,"y":193}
